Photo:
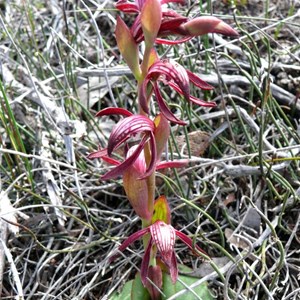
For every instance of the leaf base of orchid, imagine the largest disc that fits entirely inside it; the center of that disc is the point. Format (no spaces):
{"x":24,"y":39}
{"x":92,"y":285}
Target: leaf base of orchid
{"x":169,"y":289}
{"x":134,"y":289}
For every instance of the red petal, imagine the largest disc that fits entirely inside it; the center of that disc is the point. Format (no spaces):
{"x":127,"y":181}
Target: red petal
{"x":126,"y":128}
{"x":207,"y":24}
{"x":143,"y":97}
{"x":140,"y":3}
{"x":197,"y":81}
{"x":103,"y":155}
{"x":97,"y":154}
{"x":172,"y":164}
{"x":172,"y":71}
{"x":145,"y":262}
{"x":171,"y":21}
{"x":153,"y":287}
{"x":172,"y":42}
{"x":165,"y":109}
{"x":131,"y":239}
{"x":110,"y":160}
{"x":171,"y":14}
{"x":188,"y":241}
{"x":136,"y":30}
{"x":173,"y":268}
{"x":115,"y":172}
{"x":140,"y":164}
{"x":172,"y":1}
{"x":202,"y":102}
{"x":164,"y":238}
{"x":171,"y":24}
{"x":127,"y":7}
{"x":192,"y":98}
{"x":113,"y":111}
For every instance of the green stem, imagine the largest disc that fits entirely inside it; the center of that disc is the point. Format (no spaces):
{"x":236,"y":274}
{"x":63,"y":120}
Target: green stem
{"x":147,"y":152}
{"x":145,"y":62}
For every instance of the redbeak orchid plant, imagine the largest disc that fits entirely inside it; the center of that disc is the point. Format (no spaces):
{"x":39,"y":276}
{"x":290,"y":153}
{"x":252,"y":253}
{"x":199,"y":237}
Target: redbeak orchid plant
{"x":154,"y":23}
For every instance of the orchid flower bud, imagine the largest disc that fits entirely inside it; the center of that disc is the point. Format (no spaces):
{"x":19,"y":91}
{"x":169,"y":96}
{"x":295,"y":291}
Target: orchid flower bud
{"x":207,"y":24}
{"x":151,"y":17}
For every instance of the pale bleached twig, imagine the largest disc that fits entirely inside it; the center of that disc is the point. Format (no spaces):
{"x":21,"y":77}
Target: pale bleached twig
{"x":280,"y":94}
{"x":49,"y":180}
{"x":14,"y":271}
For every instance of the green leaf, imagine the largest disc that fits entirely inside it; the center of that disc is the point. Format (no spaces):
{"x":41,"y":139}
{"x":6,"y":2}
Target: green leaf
{"x":169,"y":289}
{"x":138,"y":291}
{"x":132,"y":290}
{"x":125,"y":294}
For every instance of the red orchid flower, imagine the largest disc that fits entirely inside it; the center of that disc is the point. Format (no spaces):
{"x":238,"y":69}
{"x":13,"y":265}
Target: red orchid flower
{"x":126,"y":128}
{"x":162,"y":240}
{"x":191,"y":28}
{"x":156,"y":132}
{"x":102,"y":153}
{"x":176,"y":76}
{"x":171,"y":23}
{"x":206,"y":24}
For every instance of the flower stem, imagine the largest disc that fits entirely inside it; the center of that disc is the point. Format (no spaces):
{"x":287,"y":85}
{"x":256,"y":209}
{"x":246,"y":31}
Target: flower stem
{"x":145,"y":62}
{"x":147,"y":152}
